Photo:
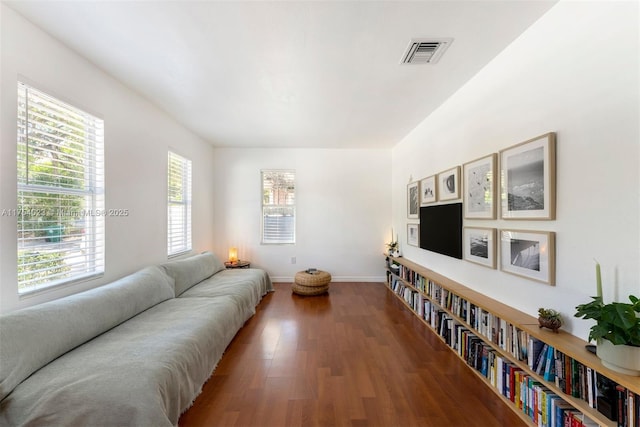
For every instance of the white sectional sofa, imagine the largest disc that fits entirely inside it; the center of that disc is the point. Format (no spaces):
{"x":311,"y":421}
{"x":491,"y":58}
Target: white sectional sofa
{"x":135,"y":352}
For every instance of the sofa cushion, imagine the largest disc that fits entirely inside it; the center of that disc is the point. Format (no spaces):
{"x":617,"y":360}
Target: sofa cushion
{"x":246,"y":286}
{"x":190,"y":271}
{"x":34,"y":336}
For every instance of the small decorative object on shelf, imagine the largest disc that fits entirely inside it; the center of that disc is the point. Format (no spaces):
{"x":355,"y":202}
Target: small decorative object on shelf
{"x":549,"y":318}
{"x":393,"y":246}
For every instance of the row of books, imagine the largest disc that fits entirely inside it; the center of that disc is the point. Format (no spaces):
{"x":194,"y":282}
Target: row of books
{"x":435,"y":304}
{"x":497,"y":330}
{"x":583,"y":382}
{"x":544,"y":406}
{"x":411,"y":277}
{"x":413,"y":298}
{"x":541,"y":405}
{"x":422,"y":306}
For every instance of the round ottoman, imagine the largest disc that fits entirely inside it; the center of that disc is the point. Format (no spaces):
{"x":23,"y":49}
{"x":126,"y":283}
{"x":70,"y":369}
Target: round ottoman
{"x":311,"y":283}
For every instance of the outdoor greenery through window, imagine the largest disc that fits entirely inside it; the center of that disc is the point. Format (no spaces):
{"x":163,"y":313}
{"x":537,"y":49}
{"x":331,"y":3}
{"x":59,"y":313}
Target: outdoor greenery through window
{"x":60,"y":211}
{"x":179,"y":205}
{"x":278,"y":207}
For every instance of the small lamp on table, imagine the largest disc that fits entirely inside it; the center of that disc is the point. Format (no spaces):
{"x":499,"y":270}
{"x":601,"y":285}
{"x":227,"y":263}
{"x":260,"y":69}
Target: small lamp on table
{"x":233,"y":255}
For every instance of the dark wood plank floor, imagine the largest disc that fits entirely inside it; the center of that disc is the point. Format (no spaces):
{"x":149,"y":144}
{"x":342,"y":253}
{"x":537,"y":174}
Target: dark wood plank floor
{"x":354,"y":357}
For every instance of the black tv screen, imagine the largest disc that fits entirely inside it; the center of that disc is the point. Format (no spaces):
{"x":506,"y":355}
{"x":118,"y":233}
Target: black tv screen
{"x":441,"y":229}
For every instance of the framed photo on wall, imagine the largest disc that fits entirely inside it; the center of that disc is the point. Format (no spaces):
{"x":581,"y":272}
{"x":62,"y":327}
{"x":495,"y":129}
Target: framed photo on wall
{"x":428,"y":190}
{"x":480,"y":245}
{"x":413,"y":234}
{"x":480,"y":188}
{"x":528,"y":176}
{"x":413,"y":204}
{"x":529,"y":254}
{"x":449,"y":184}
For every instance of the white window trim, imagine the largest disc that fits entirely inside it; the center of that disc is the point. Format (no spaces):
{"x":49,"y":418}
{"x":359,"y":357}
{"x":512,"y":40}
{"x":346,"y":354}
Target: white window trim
{"x":181,"y":243}
{"x":89,"y":259}
{"x":291,"y":206}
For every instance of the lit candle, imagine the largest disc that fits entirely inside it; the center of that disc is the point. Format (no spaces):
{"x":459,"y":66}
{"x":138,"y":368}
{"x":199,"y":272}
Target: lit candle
{"x":598,"y":280}
{"x":233,"y":255}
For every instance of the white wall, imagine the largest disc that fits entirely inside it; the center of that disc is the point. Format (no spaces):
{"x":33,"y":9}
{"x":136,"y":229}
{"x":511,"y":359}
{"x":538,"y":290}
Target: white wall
{"x":137,"y":137}
{"x":342,"y":206}
{"x":574,"y":72}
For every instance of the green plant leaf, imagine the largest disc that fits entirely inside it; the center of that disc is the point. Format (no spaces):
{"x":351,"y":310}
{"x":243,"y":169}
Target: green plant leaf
{"x":616,"y":321}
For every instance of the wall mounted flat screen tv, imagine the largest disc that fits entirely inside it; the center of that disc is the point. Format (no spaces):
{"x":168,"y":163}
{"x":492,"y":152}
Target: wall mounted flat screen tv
{"x":441,"y":229}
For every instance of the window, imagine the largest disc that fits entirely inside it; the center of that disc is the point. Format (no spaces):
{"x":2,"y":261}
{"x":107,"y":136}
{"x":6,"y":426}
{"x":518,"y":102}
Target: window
{"x":278,"y":207}
{"x":60,"y":209}
{"x":179,"y":205}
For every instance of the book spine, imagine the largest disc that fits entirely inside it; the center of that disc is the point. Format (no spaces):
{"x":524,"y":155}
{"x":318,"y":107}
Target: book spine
{"x":548,"y":367}
{"x":622,"y":403}
{"x":541,"y":357}
{"x":590,"y":382}
{"x":575,"y":378}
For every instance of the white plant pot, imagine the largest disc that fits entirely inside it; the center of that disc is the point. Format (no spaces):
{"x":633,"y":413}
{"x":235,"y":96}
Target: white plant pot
{"x":620,"y":358}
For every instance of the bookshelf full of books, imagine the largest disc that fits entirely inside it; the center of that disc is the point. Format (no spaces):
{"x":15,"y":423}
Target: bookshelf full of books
{"x":549,"y":379}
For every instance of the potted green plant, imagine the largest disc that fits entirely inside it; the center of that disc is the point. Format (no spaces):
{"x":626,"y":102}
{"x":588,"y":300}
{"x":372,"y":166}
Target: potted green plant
{"x":616,"y":332}
{"x":549,"y":318}
{"x":393,"y":245}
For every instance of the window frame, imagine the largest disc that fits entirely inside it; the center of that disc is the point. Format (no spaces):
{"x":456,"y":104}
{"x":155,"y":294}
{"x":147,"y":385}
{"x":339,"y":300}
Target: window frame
{"x":184,"y":203}
{"x":288,"y":205}
{"x":55,"y":142}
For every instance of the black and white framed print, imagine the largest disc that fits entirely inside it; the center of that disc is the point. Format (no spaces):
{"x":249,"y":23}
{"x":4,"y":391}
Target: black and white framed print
{"x":529,"y":254}
{"x":480,"y":245}
{"x":449,"y":184}
{"x":413,"y":204}
{"x":527,"y":172}
{"x":413,"y":234}
{"x":428,"y":190}
{"x":480,"y":188}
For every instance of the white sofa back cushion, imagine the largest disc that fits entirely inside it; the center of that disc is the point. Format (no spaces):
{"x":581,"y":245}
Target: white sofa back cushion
{"x":32,"y":337}
{"x":193,"y":270}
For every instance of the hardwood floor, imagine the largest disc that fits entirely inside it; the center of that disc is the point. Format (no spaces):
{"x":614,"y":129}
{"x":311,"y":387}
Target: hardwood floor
{"x":354,"y":357}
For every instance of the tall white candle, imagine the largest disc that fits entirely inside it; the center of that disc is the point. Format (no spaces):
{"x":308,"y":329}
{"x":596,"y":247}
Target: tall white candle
{"x":598,"y":281}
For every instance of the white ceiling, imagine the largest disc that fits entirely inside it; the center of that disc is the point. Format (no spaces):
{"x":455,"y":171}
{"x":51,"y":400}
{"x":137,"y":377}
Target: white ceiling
{"x":288,"y":73}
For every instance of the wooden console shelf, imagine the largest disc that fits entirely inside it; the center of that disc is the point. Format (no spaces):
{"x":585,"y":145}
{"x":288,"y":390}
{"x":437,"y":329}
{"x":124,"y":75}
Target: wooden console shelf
{"x":499,"y":343}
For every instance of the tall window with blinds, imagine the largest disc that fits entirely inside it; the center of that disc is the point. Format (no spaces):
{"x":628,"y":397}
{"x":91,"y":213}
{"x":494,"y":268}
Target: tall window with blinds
{"x":278,"y":207}
{"x":178,"y":205}
{"x":60,"y":211}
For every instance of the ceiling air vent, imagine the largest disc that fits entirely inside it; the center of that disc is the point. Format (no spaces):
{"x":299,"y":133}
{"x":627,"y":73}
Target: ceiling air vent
{"x":425,"y":51}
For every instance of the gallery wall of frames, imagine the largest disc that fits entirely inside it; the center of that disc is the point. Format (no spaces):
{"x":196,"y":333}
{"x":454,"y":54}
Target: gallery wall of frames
{"x":517,"y":183}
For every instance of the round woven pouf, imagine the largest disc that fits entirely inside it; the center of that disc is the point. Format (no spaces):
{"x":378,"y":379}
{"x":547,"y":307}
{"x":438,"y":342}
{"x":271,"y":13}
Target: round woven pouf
{"x":311,"y":283}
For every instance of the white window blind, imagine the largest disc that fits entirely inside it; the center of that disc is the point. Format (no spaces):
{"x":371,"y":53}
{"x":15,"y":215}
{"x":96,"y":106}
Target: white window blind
{"x":179,"y":205}
{"x":278,"y":207}
{"x":60,"y":208}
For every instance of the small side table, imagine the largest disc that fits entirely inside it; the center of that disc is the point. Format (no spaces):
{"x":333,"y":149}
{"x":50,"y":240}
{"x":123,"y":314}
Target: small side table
{"x":237,"y":264}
